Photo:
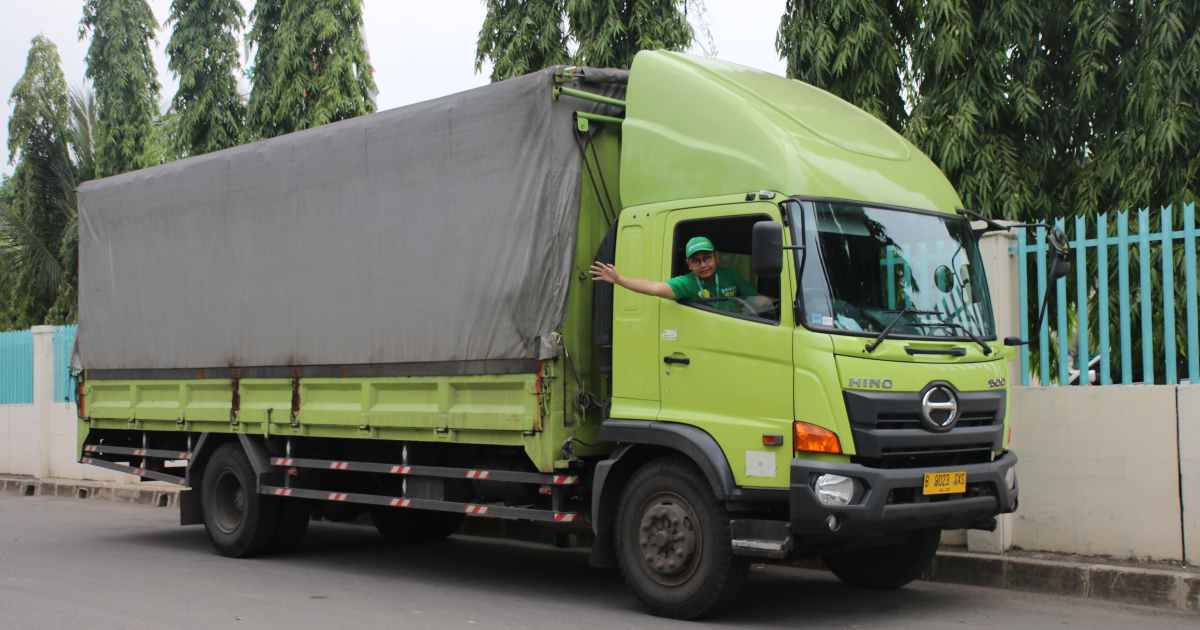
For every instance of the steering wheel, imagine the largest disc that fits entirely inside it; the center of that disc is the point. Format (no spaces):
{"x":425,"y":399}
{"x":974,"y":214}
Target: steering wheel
{"x":744,"y":305}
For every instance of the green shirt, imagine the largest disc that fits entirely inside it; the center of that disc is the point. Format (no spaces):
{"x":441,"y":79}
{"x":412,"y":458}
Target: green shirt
{"x":724,"y":283}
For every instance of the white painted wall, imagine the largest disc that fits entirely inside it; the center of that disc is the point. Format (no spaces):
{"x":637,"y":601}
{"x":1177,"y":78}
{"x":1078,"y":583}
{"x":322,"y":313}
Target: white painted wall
{"x":1098,"y":470}
{"x":1189,"y":470}
{"x":39,"y":439}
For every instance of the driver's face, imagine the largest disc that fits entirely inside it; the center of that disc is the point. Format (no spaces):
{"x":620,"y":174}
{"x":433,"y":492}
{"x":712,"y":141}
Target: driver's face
{"x":703,"y":264}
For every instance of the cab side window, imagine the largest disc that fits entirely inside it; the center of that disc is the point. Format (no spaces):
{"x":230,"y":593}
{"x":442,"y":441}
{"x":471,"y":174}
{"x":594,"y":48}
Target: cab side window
{"x":732,"y":289}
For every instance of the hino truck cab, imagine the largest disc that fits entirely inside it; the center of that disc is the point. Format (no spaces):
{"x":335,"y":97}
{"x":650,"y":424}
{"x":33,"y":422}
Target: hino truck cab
{"x":857,"y":406}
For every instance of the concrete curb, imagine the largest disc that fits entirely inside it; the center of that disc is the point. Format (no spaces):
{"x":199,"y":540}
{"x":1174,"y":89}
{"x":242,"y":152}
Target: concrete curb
{"x":1147,"y":586}
{"x":153,"y":494}
{"x":1172,"y":588}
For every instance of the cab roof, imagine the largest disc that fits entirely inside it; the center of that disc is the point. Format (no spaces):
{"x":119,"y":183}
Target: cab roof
{"x":698,"y":127}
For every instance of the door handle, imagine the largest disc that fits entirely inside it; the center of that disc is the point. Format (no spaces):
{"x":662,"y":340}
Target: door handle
{"x":672,"y":360}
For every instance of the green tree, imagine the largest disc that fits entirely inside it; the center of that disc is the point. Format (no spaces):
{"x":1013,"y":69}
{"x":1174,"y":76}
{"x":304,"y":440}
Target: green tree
{"x":311,"y":65}
{"x":203,"y":52}
{"x":81,"y":128}
{"x":611,"y":32}
{"x":40,"y":192}
{"x":856,"y":49}
{"x":121,"y":68}
{"x":521,"y":36}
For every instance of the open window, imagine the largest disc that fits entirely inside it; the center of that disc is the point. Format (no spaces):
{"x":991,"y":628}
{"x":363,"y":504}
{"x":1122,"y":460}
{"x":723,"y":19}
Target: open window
{"x":732,"y":238}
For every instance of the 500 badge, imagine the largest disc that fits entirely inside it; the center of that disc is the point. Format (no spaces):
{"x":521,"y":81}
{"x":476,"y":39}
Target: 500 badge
{"x":997,"y":383}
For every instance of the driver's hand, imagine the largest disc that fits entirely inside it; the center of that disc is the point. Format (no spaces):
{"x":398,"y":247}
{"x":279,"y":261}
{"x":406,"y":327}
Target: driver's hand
{"x":604,"y":272}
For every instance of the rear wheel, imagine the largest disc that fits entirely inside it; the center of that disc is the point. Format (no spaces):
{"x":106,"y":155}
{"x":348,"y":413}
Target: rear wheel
{"x":888,"y":567}
{"x":673,"y":542}
{"x":239,"y":521}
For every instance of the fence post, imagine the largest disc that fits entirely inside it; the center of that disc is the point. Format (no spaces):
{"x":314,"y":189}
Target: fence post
{"x":43,"y":397}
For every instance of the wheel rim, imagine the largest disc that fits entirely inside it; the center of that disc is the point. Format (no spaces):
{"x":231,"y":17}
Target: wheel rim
{"x":230,"y":502}
{"x":670,"y":538}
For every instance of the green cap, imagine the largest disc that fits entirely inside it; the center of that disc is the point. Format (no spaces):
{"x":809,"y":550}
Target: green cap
{"x":698,"y":244}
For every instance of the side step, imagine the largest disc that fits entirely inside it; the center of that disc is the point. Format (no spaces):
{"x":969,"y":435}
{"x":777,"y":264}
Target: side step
{"x":470,"y":509}
{"x":131,"y":470}
{"x":510,"y":476}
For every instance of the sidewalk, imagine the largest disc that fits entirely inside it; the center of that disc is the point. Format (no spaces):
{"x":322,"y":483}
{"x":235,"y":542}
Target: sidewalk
{"x":1161,"y":585}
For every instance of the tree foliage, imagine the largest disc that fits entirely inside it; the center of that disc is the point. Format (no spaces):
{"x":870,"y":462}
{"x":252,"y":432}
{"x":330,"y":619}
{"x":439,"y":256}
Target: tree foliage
{"x":611,"y":32}
{"x":1032,"y":109}
{"x":203,"y":52}
{"x":41,"y":193}
{"x":311,"y":65}
{"x":521,"y":36}
{"x":853,"y":48}
{"x":121,"y":68}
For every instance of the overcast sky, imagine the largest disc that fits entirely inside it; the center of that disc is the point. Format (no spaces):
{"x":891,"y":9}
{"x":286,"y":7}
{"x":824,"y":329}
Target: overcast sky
{"x":420,"y":49}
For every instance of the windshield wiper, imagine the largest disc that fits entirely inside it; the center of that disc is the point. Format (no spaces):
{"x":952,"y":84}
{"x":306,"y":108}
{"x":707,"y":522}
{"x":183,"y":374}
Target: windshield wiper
{"x":907,"y":310}
{"x":967,"y":331}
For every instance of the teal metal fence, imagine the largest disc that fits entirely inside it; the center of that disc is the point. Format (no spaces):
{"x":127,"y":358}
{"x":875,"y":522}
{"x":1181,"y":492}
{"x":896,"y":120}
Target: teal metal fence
{"x":16,"y":368}
{"x":1127,"y":311}
{"x":64,"y":382}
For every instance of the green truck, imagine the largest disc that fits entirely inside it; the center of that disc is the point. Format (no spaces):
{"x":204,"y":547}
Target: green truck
{"x":392,"y":317}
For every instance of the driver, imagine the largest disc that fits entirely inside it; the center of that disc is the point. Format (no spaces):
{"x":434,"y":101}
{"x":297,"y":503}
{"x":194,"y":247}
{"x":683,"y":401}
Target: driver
{"x":705,"y":280}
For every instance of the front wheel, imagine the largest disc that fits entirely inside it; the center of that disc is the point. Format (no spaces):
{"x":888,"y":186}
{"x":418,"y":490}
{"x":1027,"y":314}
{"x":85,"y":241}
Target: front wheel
{"x":673,"y":542}
{"x":888,"y":567}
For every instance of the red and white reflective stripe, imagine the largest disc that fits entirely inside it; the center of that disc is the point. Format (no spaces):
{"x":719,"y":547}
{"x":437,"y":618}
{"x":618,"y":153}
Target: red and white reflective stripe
{"x":183,"y":455}
{"x":139,"y":451}
{"x":281,"y":461}
{"x":545,"y":490}
{"x":283,"y":492}
{"x":565,"y":480}
{"x":337,"y":496}
{"x":478,"y":474}
{"x":339,"y":465}
{"x":476,"y":509}
{"x":401,"y":470}
{"x":400,"y":503}
{"x":564,"y":517}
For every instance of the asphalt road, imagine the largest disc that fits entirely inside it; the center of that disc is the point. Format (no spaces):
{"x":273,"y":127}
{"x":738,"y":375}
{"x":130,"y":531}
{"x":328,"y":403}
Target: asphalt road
{"x":66,"y":563}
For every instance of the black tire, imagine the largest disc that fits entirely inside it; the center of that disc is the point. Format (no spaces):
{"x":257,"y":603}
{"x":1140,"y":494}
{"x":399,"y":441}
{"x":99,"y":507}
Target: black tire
{"x":673,"y":542}
{"x":294,"y":515}
{"x":410,"y":527}
{"x":239,"y":521}
{"x":889,"y":567}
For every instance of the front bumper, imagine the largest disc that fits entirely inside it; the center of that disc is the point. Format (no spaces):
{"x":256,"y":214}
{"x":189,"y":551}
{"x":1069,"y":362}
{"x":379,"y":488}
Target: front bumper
{"x":893,"y":503}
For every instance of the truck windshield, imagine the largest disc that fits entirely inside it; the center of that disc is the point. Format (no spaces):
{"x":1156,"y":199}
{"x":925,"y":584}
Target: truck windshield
{"x":866,"y":266}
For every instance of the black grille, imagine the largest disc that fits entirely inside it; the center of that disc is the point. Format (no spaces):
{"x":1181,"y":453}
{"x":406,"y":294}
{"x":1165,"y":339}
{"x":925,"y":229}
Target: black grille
{"x":888,"y":431}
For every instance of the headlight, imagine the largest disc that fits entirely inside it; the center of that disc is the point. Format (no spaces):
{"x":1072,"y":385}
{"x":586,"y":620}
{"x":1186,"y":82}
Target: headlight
{"x":836,"y":490}
{"x":1010,"y":477}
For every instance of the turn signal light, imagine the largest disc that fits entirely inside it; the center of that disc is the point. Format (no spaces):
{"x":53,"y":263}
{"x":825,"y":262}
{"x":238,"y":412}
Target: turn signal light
{"x":810,"y":438}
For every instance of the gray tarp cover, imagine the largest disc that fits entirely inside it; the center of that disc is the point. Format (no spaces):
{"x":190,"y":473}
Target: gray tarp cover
{"x":438,"y":232}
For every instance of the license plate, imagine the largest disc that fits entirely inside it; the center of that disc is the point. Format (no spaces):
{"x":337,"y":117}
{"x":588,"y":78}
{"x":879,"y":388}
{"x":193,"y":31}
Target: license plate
{"x":945,"y":482}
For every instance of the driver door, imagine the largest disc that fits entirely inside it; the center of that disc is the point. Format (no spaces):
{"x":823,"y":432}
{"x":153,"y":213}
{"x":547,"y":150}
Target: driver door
{"x":727,"y":371}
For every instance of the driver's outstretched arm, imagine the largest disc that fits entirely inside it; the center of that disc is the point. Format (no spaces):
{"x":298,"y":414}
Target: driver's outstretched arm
{"x":608,"y":273}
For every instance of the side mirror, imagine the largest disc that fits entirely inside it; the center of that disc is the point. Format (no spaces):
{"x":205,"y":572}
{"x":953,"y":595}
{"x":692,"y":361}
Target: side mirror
{"x":766,"y":254}
{"x":1060,"y":249}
